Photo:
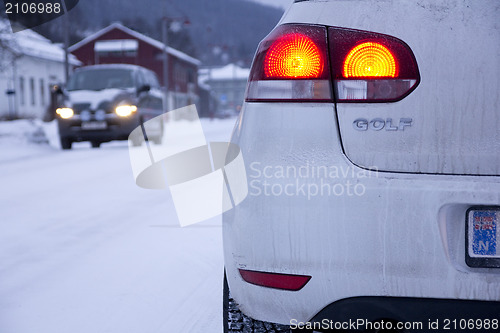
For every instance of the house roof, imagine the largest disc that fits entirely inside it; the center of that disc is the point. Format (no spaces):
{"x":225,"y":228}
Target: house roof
{"x":228,"y":72}
{"x":29,"y":43}
{"x":153,"y":42}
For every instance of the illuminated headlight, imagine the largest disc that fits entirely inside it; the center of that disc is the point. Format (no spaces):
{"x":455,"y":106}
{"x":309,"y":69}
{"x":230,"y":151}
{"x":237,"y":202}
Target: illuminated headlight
{"x":65,"y":113}
{"x":125,"y":110}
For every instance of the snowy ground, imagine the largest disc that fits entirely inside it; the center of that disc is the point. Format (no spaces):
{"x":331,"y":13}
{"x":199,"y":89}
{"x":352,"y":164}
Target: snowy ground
{"x":83,"y":249}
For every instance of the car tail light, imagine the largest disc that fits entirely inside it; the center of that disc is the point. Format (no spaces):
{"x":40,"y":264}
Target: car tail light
{"x":291,"y":64}
{"x":371,"y":67}
{"x":299,"y":63}
{"x":369,"y":60}
{"x":294,"y":56}
{"x":275,"y":280}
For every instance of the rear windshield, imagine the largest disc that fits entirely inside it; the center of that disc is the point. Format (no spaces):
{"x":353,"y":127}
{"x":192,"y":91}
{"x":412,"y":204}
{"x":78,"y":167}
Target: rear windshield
{"x":101,"y":79}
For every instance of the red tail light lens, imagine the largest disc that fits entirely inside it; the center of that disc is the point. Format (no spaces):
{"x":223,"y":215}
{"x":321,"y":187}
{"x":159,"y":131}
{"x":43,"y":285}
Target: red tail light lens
{"x":370,"y":60}
{"x":371,"y":68}
{"x":275,"y":280}
{"x":298,"y":62}
{"x":294,"y":56}
{"x":291,"y":64}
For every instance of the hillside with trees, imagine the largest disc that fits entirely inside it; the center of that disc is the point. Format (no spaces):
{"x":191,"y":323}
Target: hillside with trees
{"x":219,"y":31}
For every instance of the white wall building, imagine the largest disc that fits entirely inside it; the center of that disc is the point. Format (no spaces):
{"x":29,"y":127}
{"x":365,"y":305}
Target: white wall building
{"x":228,"y":85}
{"x":29,"y":65}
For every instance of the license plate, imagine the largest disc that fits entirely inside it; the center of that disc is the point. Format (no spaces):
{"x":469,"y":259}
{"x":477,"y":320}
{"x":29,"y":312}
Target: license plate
{"x":483,"y":237}
{"x":94,"y":125}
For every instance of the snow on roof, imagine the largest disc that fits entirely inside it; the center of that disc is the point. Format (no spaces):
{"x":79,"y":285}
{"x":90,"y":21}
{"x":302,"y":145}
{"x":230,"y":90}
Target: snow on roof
{"x":228,"y":72}
{"x":29,"y":43}
{"x":203,"y":85}
{"x":138,"y":35}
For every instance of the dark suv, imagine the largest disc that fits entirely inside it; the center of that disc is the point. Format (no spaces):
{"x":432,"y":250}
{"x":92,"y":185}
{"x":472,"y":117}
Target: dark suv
{"x":106,"y":102}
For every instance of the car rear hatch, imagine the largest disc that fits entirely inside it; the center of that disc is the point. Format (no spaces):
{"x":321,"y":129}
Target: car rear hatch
{"x":450,"y":124}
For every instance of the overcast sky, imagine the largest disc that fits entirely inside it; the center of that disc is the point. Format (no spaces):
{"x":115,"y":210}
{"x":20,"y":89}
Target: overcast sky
{"x":277,"y":3}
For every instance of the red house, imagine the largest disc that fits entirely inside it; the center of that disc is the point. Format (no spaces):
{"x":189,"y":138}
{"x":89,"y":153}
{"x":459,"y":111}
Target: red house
{"x":119,"y":44}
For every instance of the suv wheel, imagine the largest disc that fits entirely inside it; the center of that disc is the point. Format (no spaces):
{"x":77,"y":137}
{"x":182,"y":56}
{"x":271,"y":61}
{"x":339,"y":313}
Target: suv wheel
{"x":66,"y":143}
{"x":136,"y":142}
{"x":157,"y":140}
{"x":95,"y":144}
{"x":235,"y":321}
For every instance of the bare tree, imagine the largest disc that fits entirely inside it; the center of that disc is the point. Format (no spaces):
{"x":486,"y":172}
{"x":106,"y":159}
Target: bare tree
{"x":9,"y":50}
{"x":9,"y":53}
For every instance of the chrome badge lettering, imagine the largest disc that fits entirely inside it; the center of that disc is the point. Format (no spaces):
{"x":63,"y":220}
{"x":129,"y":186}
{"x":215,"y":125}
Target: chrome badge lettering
{"x":379,"y":124}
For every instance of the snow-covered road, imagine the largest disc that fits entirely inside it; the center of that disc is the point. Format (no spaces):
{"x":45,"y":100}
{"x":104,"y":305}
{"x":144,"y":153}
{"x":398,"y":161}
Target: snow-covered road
{"x":83,"y":249}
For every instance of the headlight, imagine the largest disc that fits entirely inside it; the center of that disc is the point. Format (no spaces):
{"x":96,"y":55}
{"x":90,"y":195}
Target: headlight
{"x":65,"y":113}
{"x":125,"y":110}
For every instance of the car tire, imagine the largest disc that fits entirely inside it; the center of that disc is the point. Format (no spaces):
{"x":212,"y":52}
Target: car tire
{"x":66,"y":143}
{"x":95,"y":144}
{"x":136,"y":142}
{"x":157,"y":140}
{"x":235,"y":321}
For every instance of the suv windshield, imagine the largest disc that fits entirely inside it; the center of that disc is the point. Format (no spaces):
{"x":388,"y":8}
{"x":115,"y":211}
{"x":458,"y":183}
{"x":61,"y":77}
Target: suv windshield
{"x":101,"y":79}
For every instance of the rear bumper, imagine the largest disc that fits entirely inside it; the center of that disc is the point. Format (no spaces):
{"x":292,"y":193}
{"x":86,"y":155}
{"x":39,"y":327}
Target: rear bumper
{"x":403,"y":236}
{"x":413,"y":314}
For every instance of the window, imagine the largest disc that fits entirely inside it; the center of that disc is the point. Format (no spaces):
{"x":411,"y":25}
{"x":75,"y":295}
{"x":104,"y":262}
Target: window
{"x":180,"y":74}
{"x":99,"y":79}
{"x":116,"y":48}
{"x":191,"y":76}
{"x":42,"y":92}
{"x":32,"y":89}
{"x":21,"y":89}
{"x":140,"y":80}
{"x":117,"y":54}
{"x":152,"y":80}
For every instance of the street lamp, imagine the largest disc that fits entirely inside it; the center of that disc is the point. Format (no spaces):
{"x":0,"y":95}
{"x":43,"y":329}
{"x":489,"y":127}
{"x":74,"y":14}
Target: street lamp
{"x":166,"y":21}
{"x":65,"y":29}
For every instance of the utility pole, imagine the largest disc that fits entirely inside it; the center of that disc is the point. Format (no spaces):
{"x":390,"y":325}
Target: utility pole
{"x":66,"y":41}
{"x":166,"y":105}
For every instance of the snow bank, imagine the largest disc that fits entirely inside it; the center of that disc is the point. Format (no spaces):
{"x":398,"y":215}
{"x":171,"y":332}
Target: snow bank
{"x":83,"y":249}
{"x":22,"y":138}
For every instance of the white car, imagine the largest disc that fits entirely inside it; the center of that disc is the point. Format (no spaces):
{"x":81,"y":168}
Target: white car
{"x":371,"y":140}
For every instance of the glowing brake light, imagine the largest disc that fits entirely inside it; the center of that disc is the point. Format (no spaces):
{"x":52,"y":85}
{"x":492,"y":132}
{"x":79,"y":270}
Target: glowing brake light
{"x":368,"y":67}
{"x":312,"y":63}
{"x":293,"y":56}
{"x":370,"y":60}
{"x":291,"y":64}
